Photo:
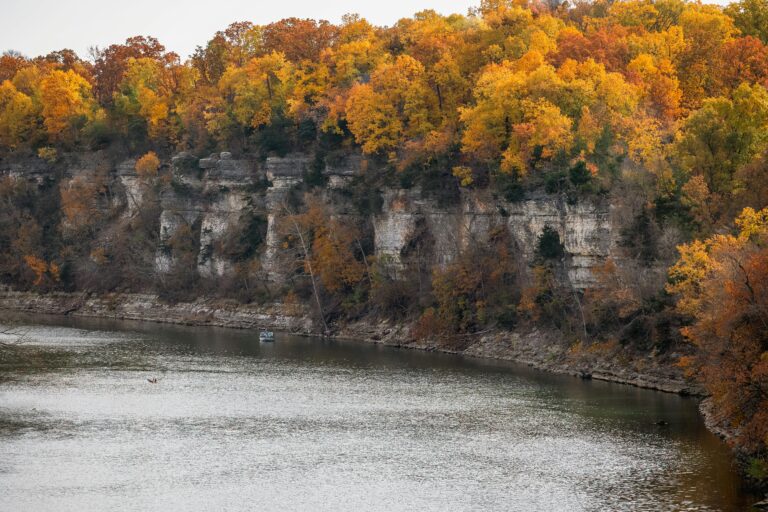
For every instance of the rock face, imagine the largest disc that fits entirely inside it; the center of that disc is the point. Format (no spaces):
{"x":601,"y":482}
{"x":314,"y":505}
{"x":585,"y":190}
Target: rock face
{"x":134,"y":192}
{"x":209,"y":199}
{"x":215,"y":221}
{"x":587,"y":229}
{"x":282,"y":173}
{"x":209,"y":196}
{"x":286,"y":171}
{"x":227,"y":183}
{"x":177,"y":212}
{"x":341,"y":174}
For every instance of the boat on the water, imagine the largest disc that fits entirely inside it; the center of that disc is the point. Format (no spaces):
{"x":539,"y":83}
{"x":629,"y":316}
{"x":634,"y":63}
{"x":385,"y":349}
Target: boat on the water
{"x":266,"y":336}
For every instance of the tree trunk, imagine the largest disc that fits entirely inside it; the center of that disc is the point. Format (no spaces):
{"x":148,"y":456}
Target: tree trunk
{"x":308,"y":266}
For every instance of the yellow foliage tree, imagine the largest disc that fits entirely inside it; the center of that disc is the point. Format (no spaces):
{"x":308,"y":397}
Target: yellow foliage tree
{"x":146,"y":92}
{"x":258,"y":91}
{"x":373,"y":121}
{"x":42,"y":269}
{"x":17,"y":115}
{"x":67,"y":104}
{"x":147,"y":165}
{"x":396,"y":106}
{"x":722,"y":286}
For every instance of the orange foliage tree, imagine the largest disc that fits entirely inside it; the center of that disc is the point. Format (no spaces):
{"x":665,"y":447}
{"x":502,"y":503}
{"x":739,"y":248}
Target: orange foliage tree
{"x":79,"y":201}
{"x":43,"y":270}
{"x":474,"y":291}
{"x":67,"y":104}
{"x":147,"y":165}
{"x":326,"y":248}
{"x":722,"y":286}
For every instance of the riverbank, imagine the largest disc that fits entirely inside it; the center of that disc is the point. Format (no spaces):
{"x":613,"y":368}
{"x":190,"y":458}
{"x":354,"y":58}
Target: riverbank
{"x":80,"y":424}
{"x":540,"y":349}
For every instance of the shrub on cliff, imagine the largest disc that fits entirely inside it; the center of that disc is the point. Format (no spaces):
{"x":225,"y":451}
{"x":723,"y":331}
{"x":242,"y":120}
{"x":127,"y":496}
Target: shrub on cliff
{"x":147,"y":165}
{"x":548,"y":246}
{"x":474,"y":291}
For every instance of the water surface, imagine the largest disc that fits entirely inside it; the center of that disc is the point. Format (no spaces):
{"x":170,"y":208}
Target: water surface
{"x":307,"y":424}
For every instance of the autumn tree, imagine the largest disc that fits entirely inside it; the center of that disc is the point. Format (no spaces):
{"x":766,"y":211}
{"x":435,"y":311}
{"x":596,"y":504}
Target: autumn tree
{"x":65,"y":60}
{"x":10,"y":63}
{"x":17,"y":116}
{"x":438,"y":43}
{"x":754,"y":174}
{"x":659,"y":86}
{"x":358,"y":50}
{"x":750,"y":17}
{"x":255,"y":95}
{"x":234,"y":46}
{"x":20,"y":234}
{"x":706,"y":29}
{"x":474,"y":291}
{"x":722,"y":136}
{"x":299,"y":39}
{"x":522,"y":110}
{"x":334,"y":248}
{"x":79,"y":204}
{"x":112,"y":62}
{"x":747,"y":61}
{"x":144,"y":96}
{"x":44,"y":272}
{"x":720,"y":285}
{"x":67,"y":104}
{"x":395,"y":106}
{"x":327,"y":248}
{"x":147,"y":165}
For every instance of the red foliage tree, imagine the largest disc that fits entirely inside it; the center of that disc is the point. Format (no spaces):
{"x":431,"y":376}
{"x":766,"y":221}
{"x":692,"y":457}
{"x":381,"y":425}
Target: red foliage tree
{"x":299,"y":39}
{"x":745,"y":59}
{"x":111,"y":63}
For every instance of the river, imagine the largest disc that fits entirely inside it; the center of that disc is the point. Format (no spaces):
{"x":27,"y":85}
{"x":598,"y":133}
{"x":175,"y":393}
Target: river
{"x":310,"y":424}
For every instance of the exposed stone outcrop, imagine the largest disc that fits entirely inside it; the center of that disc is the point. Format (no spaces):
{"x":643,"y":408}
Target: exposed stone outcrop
{"x":227,"y":183}
{"x":286,"y":171}
{"x":177,"y":211}
{"x":218,"y":218}
{"x":586,"y":228}
{"x":132,"y":188}
{"x":282,"y":173}
{"x":341,"y":174}
{"x":210,"y":195}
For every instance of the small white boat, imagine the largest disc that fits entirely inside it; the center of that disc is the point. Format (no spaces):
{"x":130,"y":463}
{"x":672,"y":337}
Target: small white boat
{"x":266,"y":336}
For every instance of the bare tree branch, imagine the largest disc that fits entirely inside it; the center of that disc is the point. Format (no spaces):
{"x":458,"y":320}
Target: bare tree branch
{"x":13,"y":336}
{"x":307,"y":262}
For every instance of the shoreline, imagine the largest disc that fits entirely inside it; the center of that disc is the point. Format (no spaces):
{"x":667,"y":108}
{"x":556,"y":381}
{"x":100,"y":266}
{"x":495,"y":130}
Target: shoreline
{"x":538,"y":349}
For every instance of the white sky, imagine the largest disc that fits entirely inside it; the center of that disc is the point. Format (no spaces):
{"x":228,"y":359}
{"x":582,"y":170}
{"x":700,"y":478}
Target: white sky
{"x":36,"y":27}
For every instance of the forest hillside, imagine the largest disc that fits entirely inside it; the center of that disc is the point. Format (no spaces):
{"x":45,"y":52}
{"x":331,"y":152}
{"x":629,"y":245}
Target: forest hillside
{"x":596,"y":169}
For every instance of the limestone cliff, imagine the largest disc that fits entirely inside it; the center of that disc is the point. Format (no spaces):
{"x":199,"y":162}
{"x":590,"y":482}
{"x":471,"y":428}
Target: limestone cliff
{"x":210,"y":195}
{"x":212,"y":200}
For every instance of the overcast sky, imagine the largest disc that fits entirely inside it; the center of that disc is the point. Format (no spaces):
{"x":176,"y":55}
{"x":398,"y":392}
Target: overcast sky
{"x":36,"y":27}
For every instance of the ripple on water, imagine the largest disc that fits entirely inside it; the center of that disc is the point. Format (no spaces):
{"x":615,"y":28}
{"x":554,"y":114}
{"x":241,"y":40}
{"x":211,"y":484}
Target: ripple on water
{"x":232,"y":426}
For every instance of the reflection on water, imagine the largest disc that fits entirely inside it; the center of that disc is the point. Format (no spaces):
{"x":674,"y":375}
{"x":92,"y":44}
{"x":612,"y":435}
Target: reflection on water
{"x":307,"y":424}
